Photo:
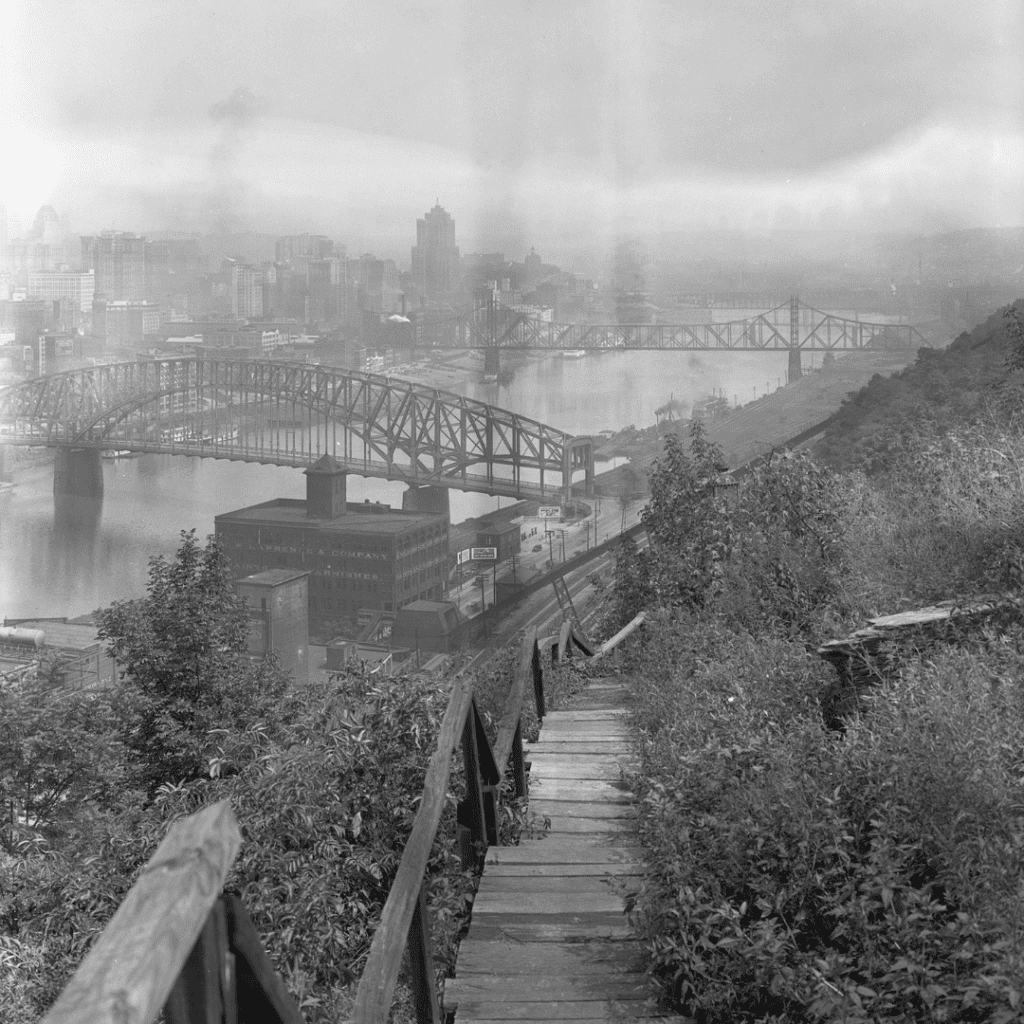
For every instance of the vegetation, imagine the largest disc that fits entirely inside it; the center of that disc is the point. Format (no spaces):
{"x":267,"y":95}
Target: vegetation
{"x":795,"y":874}
{"x":325,"y":780}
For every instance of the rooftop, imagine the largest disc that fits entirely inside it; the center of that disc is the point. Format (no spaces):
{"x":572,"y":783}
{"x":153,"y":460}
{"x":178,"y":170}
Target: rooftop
{"x":274,"y":577}
{"x":70,"y":636}
{"x":359,"y":518}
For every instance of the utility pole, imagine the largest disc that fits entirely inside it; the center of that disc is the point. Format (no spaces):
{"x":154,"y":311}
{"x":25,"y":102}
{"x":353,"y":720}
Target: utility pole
{"x":551,"y":554}
{"x":483,"y":595}
{"x":563,"y":545}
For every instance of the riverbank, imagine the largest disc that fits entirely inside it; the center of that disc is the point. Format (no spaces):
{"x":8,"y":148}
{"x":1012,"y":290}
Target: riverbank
{"x":756,"y":428}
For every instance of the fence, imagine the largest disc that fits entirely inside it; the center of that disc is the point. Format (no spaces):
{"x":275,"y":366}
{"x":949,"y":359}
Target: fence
{"x":179,"y":943}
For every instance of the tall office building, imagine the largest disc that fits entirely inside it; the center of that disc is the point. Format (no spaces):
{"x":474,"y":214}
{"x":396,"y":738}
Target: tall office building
{"x":246,"y":291}
{"x":119,"y":261}
{"x":435,"y":256}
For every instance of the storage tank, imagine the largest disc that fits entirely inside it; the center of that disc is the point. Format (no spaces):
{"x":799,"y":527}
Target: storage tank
{"x":22,"y":637}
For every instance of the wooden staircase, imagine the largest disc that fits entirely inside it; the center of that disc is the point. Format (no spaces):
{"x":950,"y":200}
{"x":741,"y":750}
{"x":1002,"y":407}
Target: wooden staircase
{"x":549,"y":939}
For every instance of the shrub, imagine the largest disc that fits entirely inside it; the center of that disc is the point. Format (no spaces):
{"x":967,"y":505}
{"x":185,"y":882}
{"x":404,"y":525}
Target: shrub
{"x":798,"y":876}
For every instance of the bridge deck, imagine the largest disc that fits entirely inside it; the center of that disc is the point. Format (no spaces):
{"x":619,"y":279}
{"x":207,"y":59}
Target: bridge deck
{"x":549,"y":939}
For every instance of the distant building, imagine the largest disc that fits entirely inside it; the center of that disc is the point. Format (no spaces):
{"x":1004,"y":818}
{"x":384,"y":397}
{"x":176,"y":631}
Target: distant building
{"x":294,"y":247}
{"x":358,"y":556}
{"x":119,"y":262}
{"x":77,"y":289}
{"x":426,"y":626}
{"x":123,"y":324}
{"x":435,"y":256}
{"x":278,"y":607}
{"x":246,"y":291}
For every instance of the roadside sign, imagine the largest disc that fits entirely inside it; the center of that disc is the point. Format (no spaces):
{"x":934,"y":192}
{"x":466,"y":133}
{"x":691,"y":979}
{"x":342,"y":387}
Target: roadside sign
{"x":480,"y":580}
{"x":483,"y":554}
{"x":549,"y":512}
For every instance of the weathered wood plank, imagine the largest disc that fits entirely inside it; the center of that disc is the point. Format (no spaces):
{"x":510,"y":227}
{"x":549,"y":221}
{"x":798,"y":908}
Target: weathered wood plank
{"x":517,"y":988}
{"x":128,"y":974}
{"x":538,"y":871}
{"x":599,"y":883}
{"x":540,"y":958}
{"x":576,"y":1010}
{"x":600,"y":791}
{"x":569,"y":736}
{"x":591,"y":809}
{"x":547,"y":851}
{"x":613,"y":747}
{"x":380,"y":973}
{"x":543,"y":928}
{"x":546,"y":767}
{"x":584,"y":715}
{"x":563,"y":823}
{"x":618,"y":1015}
{"x":549,"y":904}
{"x":514,"y":704}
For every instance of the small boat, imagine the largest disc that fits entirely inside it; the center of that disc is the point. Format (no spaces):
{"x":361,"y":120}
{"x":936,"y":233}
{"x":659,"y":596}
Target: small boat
{"x":119,"y":453}
{"x":574,"y":353}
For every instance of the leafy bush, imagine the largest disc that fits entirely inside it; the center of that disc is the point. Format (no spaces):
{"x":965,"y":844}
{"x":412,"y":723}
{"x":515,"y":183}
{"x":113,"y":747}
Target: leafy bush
{"x":185,"y":671}
{"x":799,"y":876}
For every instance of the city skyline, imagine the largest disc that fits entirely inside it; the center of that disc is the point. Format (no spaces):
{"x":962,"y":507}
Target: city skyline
{"x":535,"y":124}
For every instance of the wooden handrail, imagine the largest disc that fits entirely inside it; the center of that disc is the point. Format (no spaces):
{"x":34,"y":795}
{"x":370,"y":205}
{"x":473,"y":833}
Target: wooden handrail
{"x":610,"y":644}
{"x":377,"y":984}
{"x":403,"y":919}
{"x":128,"y":974}
{"x":514,"y":704}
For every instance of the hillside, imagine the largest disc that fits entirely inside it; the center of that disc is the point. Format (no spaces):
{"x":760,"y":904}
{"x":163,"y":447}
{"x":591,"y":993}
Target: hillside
{"x":955,"y":385}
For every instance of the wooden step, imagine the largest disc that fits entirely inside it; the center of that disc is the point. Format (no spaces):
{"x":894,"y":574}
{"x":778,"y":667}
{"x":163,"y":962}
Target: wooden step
{"x":545,"y":851}
{"x":583,"y":809}
{"x":601,"y":790}
{"x":492,"y":883}
{"x":518,"y":989}
{"x":541,"y":958}
{"x":612,"y":747}
{"x":580,"y":1012}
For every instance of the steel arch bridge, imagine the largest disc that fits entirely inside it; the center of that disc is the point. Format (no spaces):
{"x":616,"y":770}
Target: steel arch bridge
{"x":290,"y":414}
{"x":786,"y":327}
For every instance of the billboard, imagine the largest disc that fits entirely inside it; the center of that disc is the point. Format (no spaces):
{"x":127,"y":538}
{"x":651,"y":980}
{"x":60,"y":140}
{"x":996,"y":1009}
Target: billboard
{"x":549,"y":511}
{"x":483,"y":554}
{"x":464,"y":555}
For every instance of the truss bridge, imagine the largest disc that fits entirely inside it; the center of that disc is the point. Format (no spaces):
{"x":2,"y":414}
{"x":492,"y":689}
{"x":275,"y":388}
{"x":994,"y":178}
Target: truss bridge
{"x":289,"y":414}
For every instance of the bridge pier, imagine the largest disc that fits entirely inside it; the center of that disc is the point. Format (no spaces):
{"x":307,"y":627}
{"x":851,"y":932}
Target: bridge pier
{"x":426,"y":498}
{"x":492,"y":362}
{"x":578,"y":454}
{"x":795,"y":367}
{"x":78,"y":472}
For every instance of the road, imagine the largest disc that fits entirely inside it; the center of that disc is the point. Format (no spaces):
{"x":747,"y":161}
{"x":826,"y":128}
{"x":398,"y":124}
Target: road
{"x":542,"y":610}
{"x":557,"y":542}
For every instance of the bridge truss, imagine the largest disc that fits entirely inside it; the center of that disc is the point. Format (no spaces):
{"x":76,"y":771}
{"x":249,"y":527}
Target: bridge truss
{"x":789,"y":326}
{"x":290,"y":414}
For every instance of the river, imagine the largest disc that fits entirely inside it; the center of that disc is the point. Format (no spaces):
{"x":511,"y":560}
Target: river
{"x":72,"y":560}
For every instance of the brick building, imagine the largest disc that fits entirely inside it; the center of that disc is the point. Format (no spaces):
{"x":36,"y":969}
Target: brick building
{"x":370,"y":557}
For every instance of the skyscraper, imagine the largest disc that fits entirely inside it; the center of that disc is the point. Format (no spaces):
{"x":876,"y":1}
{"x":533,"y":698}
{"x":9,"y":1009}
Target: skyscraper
{"x":246,"y":291}
{"x":435,"y":256}
{"x":119,"y":260}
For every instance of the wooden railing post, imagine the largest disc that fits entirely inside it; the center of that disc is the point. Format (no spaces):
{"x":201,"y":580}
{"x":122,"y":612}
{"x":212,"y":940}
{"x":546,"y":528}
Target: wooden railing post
{"x":204,"y":992}
{"x":518,"y":766}
{"x":474,"y":784}
{"x":538,"y":681}
{"x":421,"y":963}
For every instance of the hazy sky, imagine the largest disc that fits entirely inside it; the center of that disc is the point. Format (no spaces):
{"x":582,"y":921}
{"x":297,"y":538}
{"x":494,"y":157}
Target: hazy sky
{"x":530,"y":121}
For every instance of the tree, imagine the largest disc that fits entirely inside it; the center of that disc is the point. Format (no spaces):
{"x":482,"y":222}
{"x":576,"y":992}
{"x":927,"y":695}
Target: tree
{"x":187,"y":687}
{"x":56,"y":754}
